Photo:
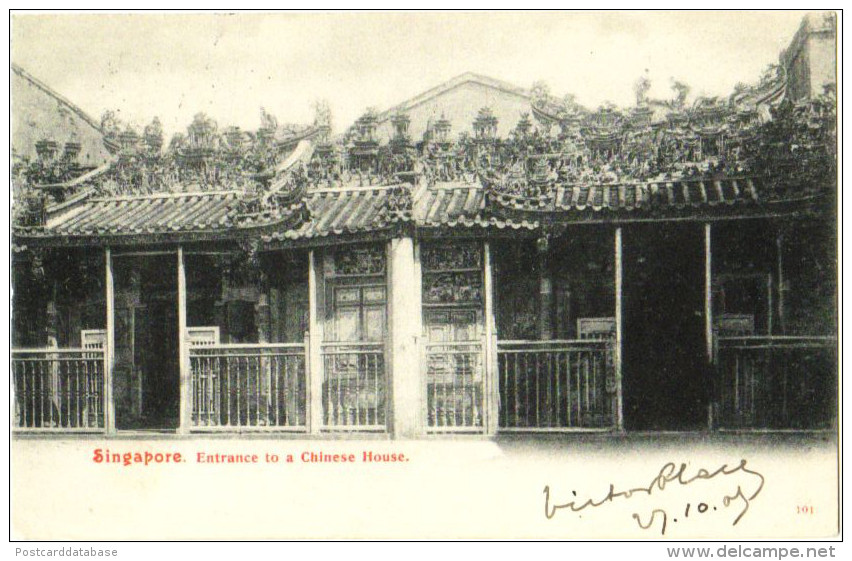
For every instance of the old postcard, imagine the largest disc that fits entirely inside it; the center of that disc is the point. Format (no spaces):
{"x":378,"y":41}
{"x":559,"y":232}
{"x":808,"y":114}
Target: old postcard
{"x":444,"y":275}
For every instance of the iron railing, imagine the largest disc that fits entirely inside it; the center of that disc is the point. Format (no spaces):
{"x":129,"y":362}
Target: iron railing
{"x":248,"y":387}
{"x":58,"y":389}
{"x":776,"y":382}
{"x":556,"y":385}
{"x":455,"y":386}
{"x":354,"y":389}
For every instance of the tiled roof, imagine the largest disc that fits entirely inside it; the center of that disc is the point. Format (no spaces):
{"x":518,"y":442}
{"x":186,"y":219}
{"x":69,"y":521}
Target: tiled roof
{"x":336,"y":212}
{"x":345,"y":211}
{"x":657,"y":195}
{"x":448,"y":203}
{"x":164,"y":213}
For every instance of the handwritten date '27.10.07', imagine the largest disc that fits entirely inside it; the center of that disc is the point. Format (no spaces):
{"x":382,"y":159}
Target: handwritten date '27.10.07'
{"x":745,"y":485}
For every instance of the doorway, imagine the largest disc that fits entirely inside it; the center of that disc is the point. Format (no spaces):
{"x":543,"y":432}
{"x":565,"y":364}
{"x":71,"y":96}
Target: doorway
{"x":147,"y":366}
{"x":666,"y":376}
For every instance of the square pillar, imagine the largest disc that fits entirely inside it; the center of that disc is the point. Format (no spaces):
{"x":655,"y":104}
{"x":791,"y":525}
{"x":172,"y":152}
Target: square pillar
{"x":708,"y":291}
{"x":405,"y":327}
{"x":313,"y":341}
{"x":619,"y":331}
{"x":492,"y":393}
{"x":183,"y":351}
{"x":779,"y":257}
{"x":545,"y":291}
{"x":109,"y":348}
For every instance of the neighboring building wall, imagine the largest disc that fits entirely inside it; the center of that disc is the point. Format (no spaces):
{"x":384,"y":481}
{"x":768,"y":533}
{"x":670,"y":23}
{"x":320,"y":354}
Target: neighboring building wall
{"x":459,"y":105}
{"x":811,"y":58}
{"x":822,"y":48}
{"x":41,"y":114}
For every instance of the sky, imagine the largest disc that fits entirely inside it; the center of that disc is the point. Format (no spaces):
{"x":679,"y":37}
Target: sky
{"x":229,"y":65}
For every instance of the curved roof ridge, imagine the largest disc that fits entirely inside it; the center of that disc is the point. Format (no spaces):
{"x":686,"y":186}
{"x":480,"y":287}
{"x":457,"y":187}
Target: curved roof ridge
{"x":177,"y":195}
{"x":357,"y":188}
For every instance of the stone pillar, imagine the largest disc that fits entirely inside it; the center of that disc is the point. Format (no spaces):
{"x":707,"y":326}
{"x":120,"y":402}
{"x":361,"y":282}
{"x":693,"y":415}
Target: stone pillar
{"x":708,"y":291}
{"x":52,"y":316}
{"x":708,"y":316}
{"x":405,"y":328}
{"x":619,"y":331}
{"x":313,"y":363}
{"x":109,"y":349}
{"x":545,"y":290}
{"x":261,"y":321}
{"x":183,"y":350}
{"x":782,"y":288}
{"x":491,"y":375}
{"x":221,"y":305}
{"x":53,"y":388}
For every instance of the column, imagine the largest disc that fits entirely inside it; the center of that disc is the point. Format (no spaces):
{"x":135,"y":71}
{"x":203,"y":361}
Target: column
{"x":491,"y":374}
{"x":314,"y":346}
{"x":52,"y":327}
{"x":109,"y":348}
{"x":52,"y":335}
{"x":708,"y":292}
{"x":619,"y":330}
{"x":262,"y":323}
{"x":708,"y":316}
{"x":779,"y":254}
{"x":183,"y":350}
{"x":545,"y":290}
{"x":221,"y":305}
{"x":405,"y":327}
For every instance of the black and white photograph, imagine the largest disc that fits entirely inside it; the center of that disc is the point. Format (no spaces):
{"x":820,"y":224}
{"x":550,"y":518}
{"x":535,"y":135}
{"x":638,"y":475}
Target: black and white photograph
{"x":424,"y":275}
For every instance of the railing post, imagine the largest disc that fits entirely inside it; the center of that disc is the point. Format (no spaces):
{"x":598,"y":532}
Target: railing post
{"x":183,"y":350}
{"x":619,"y":330}
{"x":109,"y":348}
{"x":313,"y":341}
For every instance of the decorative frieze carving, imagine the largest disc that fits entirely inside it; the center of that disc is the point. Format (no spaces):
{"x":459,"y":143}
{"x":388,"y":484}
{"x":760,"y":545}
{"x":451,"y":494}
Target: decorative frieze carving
{"x":462,"y":255}
{"x":359,"y":261}
{"x":452,"y":288}
{"x":452,"y":274}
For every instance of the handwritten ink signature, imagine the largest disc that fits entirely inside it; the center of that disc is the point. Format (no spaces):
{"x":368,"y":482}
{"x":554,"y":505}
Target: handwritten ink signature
{"x":670,"y":475}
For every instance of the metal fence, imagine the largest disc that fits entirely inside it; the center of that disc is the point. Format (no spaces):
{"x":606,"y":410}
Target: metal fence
{"x":58,"y":389}
{"x":251,"y":386}
{"x":354,"y":390}
{"x":776,"y":382}
{"x":556,"y":385}
{"x":455,"y":386}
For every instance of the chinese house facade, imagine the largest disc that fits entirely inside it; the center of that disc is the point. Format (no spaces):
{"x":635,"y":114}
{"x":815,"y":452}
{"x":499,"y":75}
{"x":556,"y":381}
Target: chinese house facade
{"x":480,"y":259}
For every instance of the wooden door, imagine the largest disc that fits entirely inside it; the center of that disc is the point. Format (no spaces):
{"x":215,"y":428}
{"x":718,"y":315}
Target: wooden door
{"x":454,"y":345}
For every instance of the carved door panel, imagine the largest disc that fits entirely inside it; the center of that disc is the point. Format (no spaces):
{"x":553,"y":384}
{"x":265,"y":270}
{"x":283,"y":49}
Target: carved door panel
{"x":455,"y":372}
{"x":359,"y":313}
{"x":453,"y":327}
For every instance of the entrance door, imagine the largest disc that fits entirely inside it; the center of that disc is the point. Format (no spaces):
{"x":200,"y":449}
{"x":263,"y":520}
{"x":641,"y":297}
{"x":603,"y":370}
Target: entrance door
{"x":147,"y":372}
{"x":354,"y":386}
{"x":665,"y":372}
{"x":453,"y":325}
{"x":454,"y":369}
